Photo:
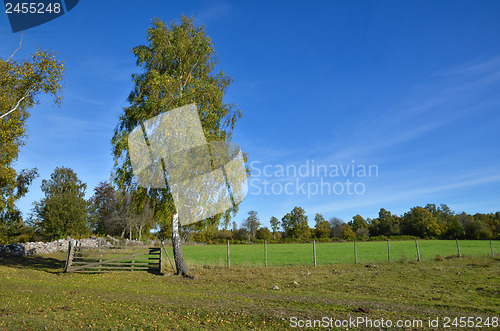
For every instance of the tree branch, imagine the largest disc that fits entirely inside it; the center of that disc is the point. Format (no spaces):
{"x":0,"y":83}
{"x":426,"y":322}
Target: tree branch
{"x":26,"y":94}
{"x":20,"y":43}
{"x":189,"y":74}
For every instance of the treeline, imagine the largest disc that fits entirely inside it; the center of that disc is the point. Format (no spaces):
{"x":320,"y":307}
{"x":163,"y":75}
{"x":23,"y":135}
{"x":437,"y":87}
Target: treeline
{"x":429,"y":222}
{"x":64,"y":211}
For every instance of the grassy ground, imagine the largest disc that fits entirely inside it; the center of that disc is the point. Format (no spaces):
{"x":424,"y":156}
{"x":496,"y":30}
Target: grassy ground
{"x":328,"y":253}
{"x":35,"y":294}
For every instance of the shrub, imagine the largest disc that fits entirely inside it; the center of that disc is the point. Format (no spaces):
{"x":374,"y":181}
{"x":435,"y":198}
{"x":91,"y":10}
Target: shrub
{"x":378,"y":238}
{"x":263,"y":234}
{"x":403,"y":237}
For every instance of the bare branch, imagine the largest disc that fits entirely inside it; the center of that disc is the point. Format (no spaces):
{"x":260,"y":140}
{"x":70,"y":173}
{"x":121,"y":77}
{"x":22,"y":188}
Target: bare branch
{"x":20,"y":43}
{"x":26,"y":94}
{"x":189,"y":74}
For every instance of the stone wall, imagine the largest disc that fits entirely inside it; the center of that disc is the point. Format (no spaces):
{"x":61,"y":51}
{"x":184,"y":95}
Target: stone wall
{"x":61,"y":245}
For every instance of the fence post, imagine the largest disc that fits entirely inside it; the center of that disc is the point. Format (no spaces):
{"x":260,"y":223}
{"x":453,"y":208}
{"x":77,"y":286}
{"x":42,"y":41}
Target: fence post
{"x":69,"y":257}
{"x":228,"y":261}
{"x":458,"y":249}
{"x":388,"y":250}
{"x":355,"y":254}
{"x":265,"y":253}
{"x":418,"y":251}
{"x":160,"y":263}
{"x":491,"y":249}
{"x":99,"y":241}
{"x":314,"y":251}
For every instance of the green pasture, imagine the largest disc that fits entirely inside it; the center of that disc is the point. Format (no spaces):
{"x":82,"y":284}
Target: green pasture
{"x":333,"y":252}
{"x":36,"y":295}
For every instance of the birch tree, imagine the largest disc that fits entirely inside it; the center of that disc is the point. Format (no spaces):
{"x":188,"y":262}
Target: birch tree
{"x":21,"y":82}
{"x":177,"y":69}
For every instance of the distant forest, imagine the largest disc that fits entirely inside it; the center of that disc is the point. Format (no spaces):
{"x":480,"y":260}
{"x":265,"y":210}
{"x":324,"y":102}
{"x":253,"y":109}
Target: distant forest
{"x":65,"y":212}
{"x":429,"y":222}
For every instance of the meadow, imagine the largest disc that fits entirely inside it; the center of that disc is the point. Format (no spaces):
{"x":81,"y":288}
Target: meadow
{"x":333,"y":252}
{"x":36,"y":294}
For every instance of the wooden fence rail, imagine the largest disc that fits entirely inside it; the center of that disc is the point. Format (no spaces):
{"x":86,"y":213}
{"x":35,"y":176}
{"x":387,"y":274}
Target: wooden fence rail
{"x":91,"y":260}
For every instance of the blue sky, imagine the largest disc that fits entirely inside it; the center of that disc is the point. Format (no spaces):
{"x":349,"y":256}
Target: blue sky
{"x":410,"y":88}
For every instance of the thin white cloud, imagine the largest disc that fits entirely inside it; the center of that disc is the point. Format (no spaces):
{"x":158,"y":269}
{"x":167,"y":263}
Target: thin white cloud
{"x":475,"y":66}
{"x":461,"y":92}
{"x":104,"y":68}
{"x":71,"y":96}
{"x":394,"y":194}
{"x":214,"y":12}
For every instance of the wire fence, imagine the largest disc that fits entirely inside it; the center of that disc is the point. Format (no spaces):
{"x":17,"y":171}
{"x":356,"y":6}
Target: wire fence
{"x":323,"y":253}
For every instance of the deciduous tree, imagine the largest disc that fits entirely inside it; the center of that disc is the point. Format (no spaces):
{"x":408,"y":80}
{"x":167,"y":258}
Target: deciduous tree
{"x":105,"y":206}
{"x":21,"y":82}
{"x":421,"y":223}
{"x":63,"y":211}
{"x":275,"y":225}
{"x":347,"y":232}
{"x":263,"y":234}
{"x":295,"y":224}
{"x":336,"y":227}
{"x":322,"y":227}
{"x":358,"y":222}
{"x":252,"y":223}
{"x":178,"y":68}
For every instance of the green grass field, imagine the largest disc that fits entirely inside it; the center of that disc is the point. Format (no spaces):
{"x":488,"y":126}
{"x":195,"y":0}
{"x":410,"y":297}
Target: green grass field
{"x":332,"y":253}
{"x":35,"y":295}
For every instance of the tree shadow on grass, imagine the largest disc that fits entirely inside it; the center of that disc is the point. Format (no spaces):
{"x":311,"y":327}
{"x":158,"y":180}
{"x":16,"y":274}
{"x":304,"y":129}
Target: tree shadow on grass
{"x":47,"y":264}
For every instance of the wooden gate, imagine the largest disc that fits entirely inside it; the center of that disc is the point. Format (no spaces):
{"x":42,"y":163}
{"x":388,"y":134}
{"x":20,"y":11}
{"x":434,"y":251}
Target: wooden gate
{"x":94,"y":260}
